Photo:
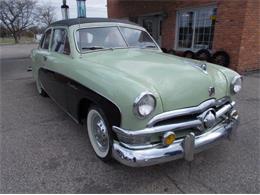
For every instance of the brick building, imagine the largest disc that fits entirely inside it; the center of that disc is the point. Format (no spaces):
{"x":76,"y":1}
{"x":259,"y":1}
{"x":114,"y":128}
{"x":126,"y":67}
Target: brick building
{"x":229,"y":25}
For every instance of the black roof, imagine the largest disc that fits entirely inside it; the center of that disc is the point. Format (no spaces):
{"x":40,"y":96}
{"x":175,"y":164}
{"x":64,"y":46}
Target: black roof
{"x":74,"y":21}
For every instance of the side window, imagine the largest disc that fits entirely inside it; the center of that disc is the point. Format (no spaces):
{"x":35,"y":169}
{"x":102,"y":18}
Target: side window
{"x":60,"y":42}
{"x":41,"y":42}
{"x":47,"y":38}
{"x":67,"y":46}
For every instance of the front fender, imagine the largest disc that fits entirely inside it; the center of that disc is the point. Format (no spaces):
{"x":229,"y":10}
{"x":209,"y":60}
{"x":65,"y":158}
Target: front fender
{"x":119,"y":89}
{"x":228,"y":74}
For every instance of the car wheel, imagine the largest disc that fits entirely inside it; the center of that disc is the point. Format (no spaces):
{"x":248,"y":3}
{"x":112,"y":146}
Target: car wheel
{"x":188,"y":54}
{"x":99,"y":133}
{"x":221,"y":58}
{"x":40,"y":89}
{"x":203,"y":54}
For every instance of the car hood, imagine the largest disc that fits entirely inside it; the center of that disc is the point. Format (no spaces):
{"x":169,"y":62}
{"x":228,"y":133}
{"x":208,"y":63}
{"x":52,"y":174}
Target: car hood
{"x":178,"y":81}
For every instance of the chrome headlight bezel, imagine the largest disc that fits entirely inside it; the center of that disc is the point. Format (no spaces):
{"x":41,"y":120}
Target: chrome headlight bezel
{"x":138,"y":101}
{"x":236,"y":82}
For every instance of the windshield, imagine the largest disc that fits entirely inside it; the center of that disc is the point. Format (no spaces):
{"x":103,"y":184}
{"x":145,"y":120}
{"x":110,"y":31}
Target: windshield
{"x":137,"y":38}
{"x":99,"y":38}
{"x":110,"y":37}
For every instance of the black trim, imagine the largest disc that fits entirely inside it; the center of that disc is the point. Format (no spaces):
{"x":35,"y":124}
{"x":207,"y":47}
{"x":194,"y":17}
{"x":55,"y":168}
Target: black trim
{"x":74,"y":98}
{"x":75,"y":21}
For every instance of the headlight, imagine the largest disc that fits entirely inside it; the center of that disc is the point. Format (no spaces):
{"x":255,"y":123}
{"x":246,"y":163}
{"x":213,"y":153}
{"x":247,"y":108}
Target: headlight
{"x":144,"y":105}
{"x":236,"y":84}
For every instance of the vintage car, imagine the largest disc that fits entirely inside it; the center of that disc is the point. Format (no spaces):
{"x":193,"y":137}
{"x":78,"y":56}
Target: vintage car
{"x":139,"y":105}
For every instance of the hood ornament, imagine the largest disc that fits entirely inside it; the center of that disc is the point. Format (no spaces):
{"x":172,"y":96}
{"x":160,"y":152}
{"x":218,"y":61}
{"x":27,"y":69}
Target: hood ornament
{"x":199,"y":65}
{"x":203,"y":66}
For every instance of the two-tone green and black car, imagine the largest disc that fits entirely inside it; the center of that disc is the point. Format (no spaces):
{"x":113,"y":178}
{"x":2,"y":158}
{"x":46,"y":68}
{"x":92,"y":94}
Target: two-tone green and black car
{"x":140,"y":105}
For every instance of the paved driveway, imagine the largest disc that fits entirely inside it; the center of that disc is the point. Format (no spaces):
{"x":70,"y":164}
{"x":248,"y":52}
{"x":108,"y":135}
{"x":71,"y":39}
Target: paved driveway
{"x":43,"y":151}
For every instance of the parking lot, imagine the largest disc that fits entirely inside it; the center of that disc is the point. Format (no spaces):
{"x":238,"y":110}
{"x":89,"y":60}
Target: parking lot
{"x":43,"y":151}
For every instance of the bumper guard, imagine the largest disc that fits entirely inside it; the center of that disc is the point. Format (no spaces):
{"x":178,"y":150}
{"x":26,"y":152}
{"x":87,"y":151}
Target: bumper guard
{"x":126,"y":152}
{"x":184,"y":148}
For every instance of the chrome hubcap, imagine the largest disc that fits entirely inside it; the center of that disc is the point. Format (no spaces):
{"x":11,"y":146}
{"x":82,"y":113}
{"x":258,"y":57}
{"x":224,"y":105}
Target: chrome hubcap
{"x":98,"y":133}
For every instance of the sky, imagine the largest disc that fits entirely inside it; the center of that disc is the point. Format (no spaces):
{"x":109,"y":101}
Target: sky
{"x":94,"y":8}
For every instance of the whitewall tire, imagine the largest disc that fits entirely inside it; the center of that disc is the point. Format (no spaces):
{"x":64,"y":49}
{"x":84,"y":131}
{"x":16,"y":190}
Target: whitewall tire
{"x":99,"y":133}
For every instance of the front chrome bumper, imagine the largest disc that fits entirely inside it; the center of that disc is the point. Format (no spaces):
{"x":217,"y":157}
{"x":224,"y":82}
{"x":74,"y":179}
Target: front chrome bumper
{"x":184,"y":148}
{"x":137,"y":147}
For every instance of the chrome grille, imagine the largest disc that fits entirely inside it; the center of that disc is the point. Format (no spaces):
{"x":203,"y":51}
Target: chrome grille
{"x":181,"y":122}
{"x":190,"y":113}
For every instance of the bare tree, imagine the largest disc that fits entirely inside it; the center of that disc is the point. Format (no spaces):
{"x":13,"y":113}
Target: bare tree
{"x":46,"y":15}
{"x":17,"y":16}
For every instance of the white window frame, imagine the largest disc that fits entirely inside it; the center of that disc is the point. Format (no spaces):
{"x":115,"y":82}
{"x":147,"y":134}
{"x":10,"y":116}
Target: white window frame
{"x":180,"y":11}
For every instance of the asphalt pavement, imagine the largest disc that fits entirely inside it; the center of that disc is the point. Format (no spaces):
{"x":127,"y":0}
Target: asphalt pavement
{"x":16,"y":51}
{"x":42,"y":150}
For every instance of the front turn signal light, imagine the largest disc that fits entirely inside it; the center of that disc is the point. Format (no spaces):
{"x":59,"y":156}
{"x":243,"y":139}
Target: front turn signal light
{"x":168,"y":138}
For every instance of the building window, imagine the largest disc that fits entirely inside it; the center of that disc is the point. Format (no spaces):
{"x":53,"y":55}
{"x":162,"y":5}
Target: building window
{"x":195,"y":28}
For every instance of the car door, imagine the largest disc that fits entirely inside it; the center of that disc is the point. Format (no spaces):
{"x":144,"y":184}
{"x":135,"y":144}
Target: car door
{"x":45,"y":72}
{"x":60,"y":60}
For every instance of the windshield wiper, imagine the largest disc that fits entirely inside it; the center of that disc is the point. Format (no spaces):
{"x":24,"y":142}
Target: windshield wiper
{"x":93,"y":47}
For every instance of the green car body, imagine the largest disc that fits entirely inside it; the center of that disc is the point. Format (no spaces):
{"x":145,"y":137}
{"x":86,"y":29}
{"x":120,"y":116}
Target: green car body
{"x":121,"y":75}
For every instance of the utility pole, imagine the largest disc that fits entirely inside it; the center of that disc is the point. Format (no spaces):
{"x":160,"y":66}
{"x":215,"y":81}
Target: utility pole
{"x":64,"y":10}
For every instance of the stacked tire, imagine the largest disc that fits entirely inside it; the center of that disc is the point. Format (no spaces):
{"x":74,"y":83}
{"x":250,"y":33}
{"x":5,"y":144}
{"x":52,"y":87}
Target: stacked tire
{"x":220,"y":57}
{"x":203,"y":55}
{"x":189,"y":54}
